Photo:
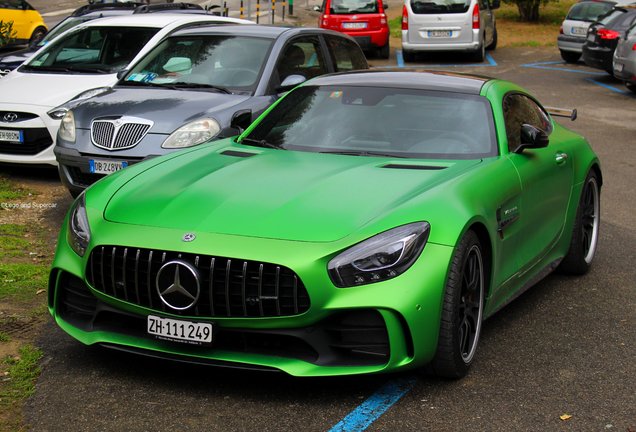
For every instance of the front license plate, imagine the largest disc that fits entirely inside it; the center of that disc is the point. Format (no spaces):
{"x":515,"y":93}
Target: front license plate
{"x":12,"y":136}
{"x":440,"y":33}
{"x":579,"y":31}
{"x":189,"y":332}
{"x":354,"y":25}
{"x":105,"y":166}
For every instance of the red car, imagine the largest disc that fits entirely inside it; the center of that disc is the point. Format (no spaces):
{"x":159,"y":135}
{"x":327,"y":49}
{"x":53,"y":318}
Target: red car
{"x":363,"y":20}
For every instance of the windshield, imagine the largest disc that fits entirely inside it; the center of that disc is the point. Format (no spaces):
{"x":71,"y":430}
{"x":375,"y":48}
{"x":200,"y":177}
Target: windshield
{"x":611,"y":16}
{"x":439,"y":6}
{"x":92,"y":50}
{"x":377,"y":121}
{"x":68,"y":23}
{"x":588,"y":11}
{"x":345,"y":7}
{"x":203,"y":61}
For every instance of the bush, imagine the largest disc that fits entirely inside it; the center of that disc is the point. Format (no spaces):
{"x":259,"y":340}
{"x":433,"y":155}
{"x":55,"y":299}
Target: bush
{"x":7,"y":34}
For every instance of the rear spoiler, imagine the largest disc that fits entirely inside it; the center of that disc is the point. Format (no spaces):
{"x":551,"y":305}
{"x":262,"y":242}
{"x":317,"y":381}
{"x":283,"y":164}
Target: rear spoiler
{"x":562,"y":112}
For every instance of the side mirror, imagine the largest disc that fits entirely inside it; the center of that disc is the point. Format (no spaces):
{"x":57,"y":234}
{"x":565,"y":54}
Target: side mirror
{"x":532,"y":138}
{"x":317,"y":8}
{"x":385,"y":5}
{"x":290,"y":82}
{"x":494,"y":4}
{"x":241,"y":120}
{"x":122,"y":73}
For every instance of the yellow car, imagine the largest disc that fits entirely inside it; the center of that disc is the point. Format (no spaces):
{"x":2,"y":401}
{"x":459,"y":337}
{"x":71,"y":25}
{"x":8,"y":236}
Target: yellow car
{"x":28,"y":25}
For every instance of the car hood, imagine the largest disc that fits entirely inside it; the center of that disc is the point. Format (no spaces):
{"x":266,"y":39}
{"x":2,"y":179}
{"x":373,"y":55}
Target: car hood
{"x":19,"y":88}
{"x":16,"y":58}
{"x":168,"y":109}
{"x":276,"y":194}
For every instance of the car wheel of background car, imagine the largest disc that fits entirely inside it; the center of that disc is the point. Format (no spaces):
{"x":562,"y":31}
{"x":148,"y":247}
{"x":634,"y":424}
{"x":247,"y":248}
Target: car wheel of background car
{"x":384,"y":51}
{"x":408,"y":56}
{"x":479,"y":55}
{"x":570,"y":57}
{"x":585,"y":231}
{"x":631,"y":87}
{"x":493,"y":44}
{"x":37,"y":36}
{"x":462,"y":310}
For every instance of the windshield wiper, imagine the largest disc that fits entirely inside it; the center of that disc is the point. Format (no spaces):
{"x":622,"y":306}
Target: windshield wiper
{"x":362,"y":153}
{"x":178,"y":85}
{"x":46,"y":68}
{"x":261,"y":143}
{"x":140,"y":84}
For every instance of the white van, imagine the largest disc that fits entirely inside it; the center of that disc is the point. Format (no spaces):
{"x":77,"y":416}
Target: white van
{"x":449,"y":25}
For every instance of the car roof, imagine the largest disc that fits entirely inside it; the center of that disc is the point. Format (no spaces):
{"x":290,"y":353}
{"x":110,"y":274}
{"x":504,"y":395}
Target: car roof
{"x":242,"y":30}
{"x":425,"y":80}
{"x":157,"y":20}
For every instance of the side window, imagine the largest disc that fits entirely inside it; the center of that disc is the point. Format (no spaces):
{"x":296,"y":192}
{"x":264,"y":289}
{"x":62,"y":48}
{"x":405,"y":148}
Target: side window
{"x":11,"y":4}
{"x":302,"y":56}
{"x":347,"y":54}
{"x":518,"y":110}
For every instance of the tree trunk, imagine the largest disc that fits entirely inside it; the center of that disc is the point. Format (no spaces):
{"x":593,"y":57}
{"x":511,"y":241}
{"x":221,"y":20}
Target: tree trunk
{"x":529,"y":10}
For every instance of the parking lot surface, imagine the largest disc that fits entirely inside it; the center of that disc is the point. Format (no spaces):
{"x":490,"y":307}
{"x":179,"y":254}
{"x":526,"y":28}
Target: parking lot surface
{"x":564,"y":347}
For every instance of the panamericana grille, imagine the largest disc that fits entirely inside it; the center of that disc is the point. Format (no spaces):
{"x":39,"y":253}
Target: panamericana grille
{"x":119,"y":134}
{"x":229,"y":287}
{"x":35,"y":141}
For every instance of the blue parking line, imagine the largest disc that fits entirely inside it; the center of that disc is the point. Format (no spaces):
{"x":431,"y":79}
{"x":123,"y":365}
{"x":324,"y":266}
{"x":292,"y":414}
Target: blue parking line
{"x":371,"y":409}
{"x":400,"y":63}
{"x":543,"y":65}
{"x":609,"y":87}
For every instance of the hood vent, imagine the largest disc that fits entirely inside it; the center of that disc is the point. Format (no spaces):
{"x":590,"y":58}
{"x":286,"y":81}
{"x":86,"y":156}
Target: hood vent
{"x":236,"y":153}
{"x":414,"y":167}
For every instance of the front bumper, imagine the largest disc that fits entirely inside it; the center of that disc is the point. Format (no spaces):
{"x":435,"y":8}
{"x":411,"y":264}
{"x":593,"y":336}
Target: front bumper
{"x":396,"y":320}
{"x":38,"y":131}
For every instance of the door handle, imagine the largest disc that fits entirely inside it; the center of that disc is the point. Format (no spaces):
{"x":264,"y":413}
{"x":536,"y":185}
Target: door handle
{"x":561,"y":158}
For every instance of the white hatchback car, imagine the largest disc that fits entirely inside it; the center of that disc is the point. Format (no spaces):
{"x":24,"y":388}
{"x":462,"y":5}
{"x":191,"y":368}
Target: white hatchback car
{"x":443,"y":25}
{"x":78,"y":64}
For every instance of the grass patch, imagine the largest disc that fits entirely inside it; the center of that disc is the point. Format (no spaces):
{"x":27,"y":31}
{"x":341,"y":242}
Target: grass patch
{"x":20,"y":282}
{"x":4,"y":337}
{"x":10,"y":191}
{"x":395,"y":27}
{"x":23,"y":370}
{"x":14,"y":243}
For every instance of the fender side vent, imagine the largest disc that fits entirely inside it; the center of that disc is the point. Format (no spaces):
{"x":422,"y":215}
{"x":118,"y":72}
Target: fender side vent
{"x":414,"y":167}
{"x":237,"y":153}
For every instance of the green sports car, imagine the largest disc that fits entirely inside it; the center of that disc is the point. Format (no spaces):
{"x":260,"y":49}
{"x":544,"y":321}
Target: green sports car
{"x":367,"y":222}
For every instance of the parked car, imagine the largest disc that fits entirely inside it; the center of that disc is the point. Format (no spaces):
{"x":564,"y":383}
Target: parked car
{"x":366,"y":223}
{"x":574,"y":28}
{"x":603,"y":36}
{"x":27,"y":23}
{"x":465,"y":25}
{"x":363,"y":20}
{"x":624,"y":64}
{"x":191,"y":88}
{"x":83,"y":61}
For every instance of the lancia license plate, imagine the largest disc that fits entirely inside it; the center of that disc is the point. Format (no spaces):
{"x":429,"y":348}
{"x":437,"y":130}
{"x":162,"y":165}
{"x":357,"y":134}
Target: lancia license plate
{"x":12,"y":136}
{"x":579,"y":31}
{"x":105,"y":166}
{"x":194,"y":333}
{"x":440,"y":33}
{"x":354,"y":25}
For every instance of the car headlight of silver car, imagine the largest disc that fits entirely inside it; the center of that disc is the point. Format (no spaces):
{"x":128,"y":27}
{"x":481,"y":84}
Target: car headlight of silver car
{"x":193,"y":133}
{"x":67,"y":127}
{"x":381,"y":257}
{"x":79,"y":232}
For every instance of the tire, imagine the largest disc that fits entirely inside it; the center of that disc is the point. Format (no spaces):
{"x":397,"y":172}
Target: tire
{"x":585,"y":231}
{"x":408,"y":56}
{"x":384,"y":51}
{"x":462,"y":311}
{"x":570,"y":57}
{"x":37,"y":35}
{"x":479,"y":55}
{"x":493,"y":44}
{"x":631,"y":87}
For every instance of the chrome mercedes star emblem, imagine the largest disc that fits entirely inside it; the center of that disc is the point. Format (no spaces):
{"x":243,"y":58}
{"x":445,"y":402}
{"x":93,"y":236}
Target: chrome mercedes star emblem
{"x":178,"y":284}
{"x":188,"y":237}
{"x":10,"y":117}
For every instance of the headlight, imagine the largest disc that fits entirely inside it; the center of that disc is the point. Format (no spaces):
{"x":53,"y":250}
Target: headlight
{"x":79,"y":233}
{"x":67,"y":127}
{"x":193,"y":133}
{"x":58,"y":113}
{"x":90,"y":93}
{"x":381,"y":257}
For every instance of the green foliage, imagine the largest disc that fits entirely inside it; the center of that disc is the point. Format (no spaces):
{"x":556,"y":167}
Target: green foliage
{"x":14,"y":243}
{"x":4,"y":337}
{"x":21,"y":281}
{"x":395,"y":27}
{"x":546,"y":11}
{"x":9,"y":191}
{"x":23,"y":371}
{"x":7,"y":34}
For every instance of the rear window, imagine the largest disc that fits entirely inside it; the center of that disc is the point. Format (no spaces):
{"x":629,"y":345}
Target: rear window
{"x":611,"y":16}
{"x":588,"y":11}
{"x":439,"y":6}
{"x":346,"y":7}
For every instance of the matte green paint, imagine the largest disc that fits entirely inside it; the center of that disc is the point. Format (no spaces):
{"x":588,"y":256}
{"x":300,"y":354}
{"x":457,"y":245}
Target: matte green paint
{"x":301,"y":209}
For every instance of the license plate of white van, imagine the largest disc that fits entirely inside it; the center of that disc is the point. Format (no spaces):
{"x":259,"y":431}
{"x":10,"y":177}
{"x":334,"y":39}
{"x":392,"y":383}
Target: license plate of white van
{"x":440,"y":33}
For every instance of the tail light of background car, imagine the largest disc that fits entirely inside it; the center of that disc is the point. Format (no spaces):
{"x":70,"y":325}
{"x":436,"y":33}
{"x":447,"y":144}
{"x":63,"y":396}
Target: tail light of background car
{"x":608,"y":34}
{"x":405,"y":18}
{"x":476,"y":17}
{"x":561,"y":30}
{"x":634,"y":47}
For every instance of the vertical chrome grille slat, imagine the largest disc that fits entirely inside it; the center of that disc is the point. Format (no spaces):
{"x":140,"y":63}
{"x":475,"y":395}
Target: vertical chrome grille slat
{"x":128,"y":132}
{"x":235,"y":287}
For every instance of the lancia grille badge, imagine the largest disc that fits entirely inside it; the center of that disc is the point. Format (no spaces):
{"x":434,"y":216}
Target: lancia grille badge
{"x":188,"y":237}
{"x":178,"y":285}
{"x":10,"y":117}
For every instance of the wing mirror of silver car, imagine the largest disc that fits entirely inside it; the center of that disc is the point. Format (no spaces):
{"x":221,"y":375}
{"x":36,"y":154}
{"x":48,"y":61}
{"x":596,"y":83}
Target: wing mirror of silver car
{"x":290,"y":82}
